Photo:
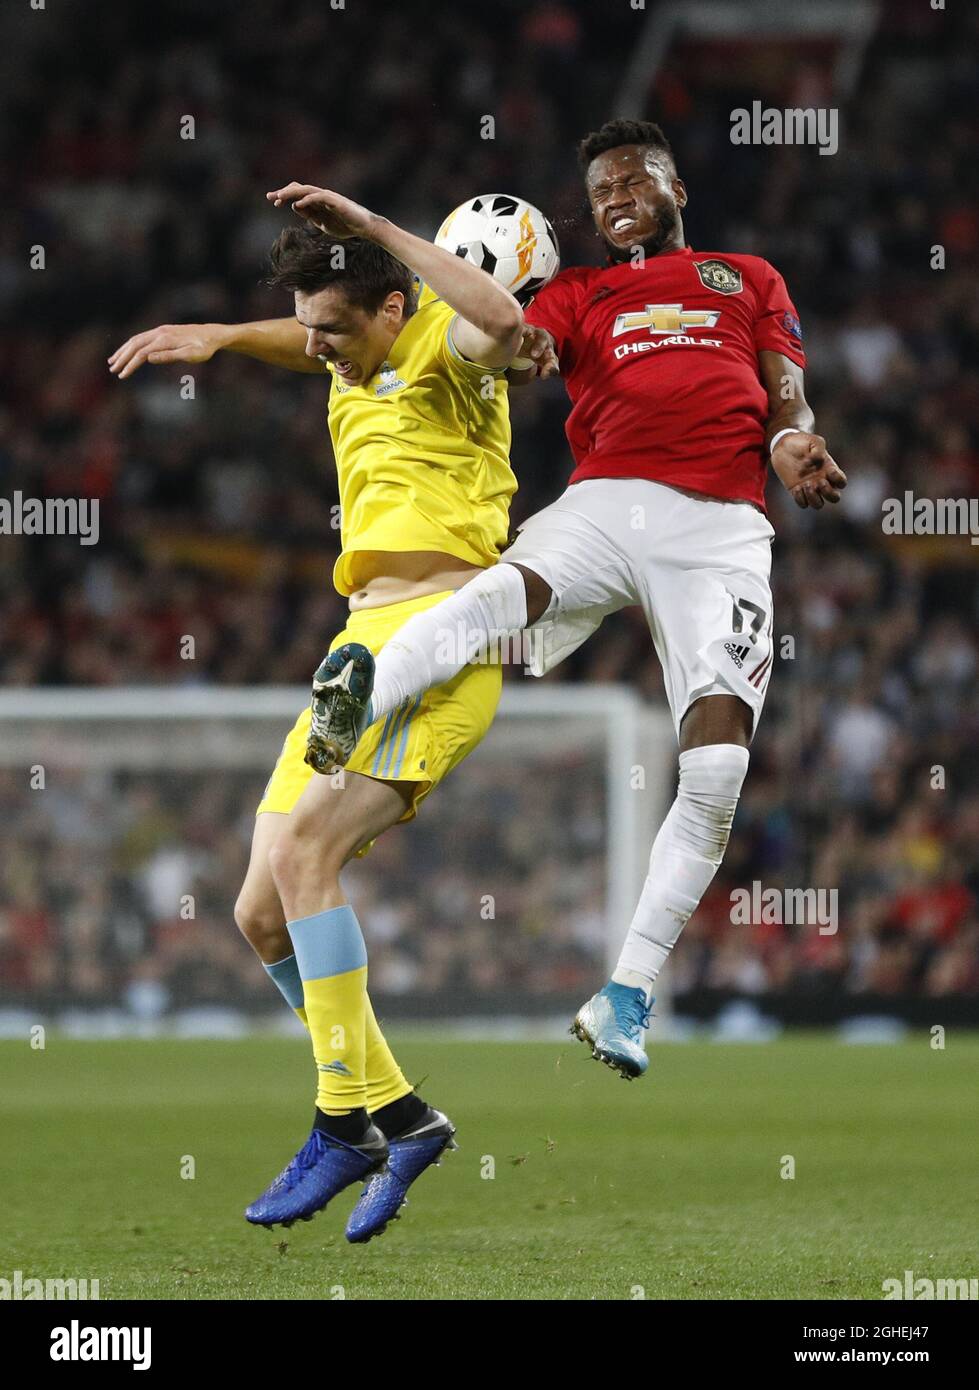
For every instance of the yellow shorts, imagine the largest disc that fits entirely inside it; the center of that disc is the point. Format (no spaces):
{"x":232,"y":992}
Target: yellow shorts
{"x":419,"y":742}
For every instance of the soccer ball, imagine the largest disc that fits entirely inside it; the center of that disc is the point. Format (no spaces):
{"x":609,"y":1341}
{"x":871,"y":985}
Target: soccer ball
{"x":507,"y":237}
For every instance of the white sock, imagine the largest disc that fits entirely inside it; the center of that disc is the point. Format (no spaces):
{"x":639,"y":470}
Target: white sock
{"x":435,"y":644}
{"x":685,"y":856}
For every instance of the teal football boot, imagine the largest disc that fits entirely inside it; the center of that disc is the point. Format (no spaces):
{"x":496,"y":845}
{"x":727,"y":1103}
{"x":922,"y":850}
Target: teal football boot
{"x":340,"y":706}
{"x":612,"y":1023}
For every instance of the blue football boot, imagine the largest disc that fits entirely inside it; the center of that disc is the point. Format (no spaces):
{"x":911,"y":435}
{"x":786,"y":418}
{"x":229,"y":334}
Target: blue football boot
{"x":612,"y":1023}
{"x":341,"y":698}
{"x":412,"y":1151}
{"x":323,"y":1167}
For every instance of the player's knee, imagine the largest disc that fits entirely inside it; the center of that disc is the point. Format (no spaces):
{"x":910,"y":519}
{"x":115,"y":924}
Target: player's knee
{"x":261,"y":924}
{"x":537,"y":593}
{"x":300,"y":860}
{"x":498,"y":598}
{"x":711,"y":778}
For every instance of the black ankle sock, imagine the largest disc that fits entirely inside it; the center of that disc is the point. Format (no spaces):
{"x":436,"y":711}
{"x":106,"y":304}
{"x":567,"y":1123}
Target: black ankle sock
{"x":351,"y":1128}
{"x":392,"y":1119}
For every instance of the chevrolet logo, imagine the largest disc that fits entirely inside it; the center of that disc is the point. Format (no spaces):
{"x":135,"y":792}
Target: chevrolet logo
{"x":665,"y":318}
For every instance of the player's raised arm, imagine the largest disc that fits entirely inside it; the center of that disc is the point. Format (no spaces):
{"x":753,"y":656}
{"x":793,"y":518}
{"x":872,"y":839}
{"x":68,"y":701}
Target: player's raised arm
{"x":800,"y":457}
{"x":490,"y":324}
{"x":280,"y":342}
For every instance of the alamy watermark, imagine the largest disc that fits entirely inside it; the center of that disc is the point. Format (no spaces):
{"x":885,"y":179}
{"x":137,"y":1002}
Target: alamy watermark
{"x":799,"y":907}
{"x":78,"y":1343}
{"x":794,"y":125}
{"x":930,"y":516}
{"x":462,"y":646}
{"x":925,"y":1288}
{"x":24,"y":1289}
{"x":50,"y":516}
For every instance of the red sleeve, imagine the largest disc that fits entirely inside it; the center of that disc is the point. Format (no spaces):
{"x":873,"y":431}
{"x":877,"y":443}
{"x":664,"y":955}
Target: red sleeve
{"x":553,"y":308}
{"x":777,"y":327}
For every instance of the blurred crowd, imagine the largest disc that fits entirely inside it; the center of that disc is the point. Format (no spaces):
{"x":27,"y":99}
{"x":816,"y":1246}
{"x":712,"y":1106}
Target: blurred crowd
{"x":118,"y":888}
{"x":217,"y":501}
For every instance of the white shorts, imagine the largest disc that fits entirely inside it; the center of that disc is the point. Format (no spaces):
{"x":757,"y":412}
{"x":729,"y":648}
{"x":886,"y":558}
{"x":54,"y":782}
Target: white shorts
{"x":699,"y":568}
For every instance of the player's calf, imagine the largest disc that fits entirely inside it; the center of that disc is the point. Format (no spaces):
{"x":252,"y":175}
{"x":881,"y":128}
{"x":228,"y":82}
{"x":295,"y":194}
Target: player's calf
{"x":684,"y":859}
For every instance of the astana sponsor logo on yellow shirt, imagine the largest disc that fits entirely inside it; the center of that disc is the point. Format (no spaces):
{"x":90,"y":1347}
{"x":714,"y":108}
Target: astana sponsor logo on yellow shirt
{"x":390,"y":381}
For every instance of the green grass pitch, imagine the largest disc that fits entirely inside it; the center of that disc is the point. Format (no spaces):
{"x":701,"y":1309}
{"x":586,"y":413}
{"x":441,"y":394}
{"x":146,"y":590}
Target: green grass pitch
{"x":671,"y":1185}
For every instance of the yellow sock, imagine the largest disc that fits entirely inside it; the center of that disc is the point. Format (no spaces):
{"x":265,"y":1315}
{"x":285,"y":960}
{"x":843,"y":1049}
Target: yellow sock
{"x":385,"y":1079}
{"x":332,"y":963}
{"x":336,"y":1010}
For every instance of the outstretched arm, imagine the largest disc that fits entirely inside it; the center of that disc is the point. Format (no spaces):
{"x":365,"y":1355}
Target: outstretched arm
{"x":490,"y":323}
{"x":281,"y":342}
{"x":800,"y":458}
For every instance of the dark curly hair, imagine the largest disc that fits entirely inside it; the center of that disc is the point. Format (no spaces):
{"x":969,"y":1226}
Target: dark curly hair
{"x":307,"y":260}
{"x":622,"y":132}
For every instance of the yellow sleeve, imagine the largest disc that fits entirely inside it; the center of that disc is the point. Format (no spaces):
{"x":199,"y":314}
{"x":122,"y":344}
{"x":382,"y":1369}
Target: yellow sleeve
{"x":460,"y":365}
{"x":443,"y":347}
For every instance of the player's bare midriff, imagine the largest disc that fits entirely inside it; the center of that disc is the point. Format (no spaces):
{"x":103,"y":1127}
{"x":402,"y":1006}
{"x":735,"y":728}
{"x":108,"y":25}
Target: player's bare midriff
{"x":380,"y":577}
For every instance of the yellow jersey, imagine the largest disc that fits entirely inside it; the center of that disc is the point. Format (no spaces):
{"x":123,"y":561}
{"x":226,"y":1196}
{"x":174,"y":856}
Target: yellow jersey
{"x":422,"y":450}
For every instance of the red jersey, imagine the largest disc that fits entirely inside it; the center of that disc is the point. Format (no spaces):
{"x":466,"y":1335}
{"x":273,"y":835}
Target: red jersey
{"x":661,"y":364}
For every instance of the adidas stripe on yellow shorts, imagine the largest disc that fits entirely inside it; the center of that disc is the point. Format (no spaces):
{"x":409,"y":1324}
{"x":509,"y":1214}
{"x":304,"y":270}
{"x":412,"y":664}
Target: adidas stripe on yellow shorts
{"x":421,"y":741}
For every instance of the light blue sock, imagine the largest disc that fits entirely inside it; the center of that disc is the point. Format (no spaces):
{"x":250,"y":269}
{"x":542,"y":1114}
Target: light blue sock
{"x":327,"y":943}
{"x":286,"y":975}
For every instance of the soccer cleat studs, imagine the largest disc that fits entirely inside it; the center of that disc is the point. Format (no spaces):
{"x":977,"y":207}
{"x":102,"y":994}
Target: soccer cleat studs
{"x":339,"y":708}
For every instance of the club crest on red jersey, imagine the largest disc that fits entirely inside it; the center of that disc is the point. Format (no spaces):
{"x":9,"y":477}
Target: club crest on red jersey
{"x":719,"y":276}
